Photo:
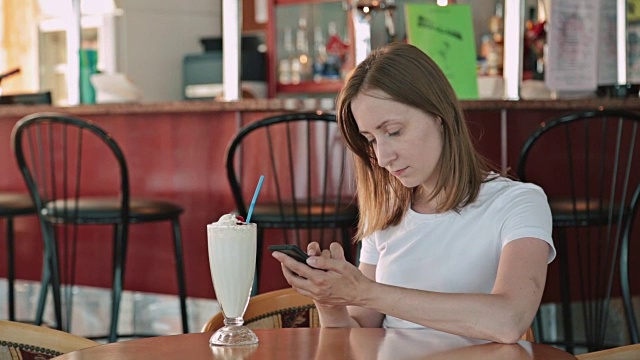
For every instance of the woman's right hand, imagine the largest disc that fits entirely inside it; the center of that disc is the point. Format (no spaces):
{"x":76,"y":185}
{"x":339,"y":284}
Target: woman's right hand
{"x":340,"y":283}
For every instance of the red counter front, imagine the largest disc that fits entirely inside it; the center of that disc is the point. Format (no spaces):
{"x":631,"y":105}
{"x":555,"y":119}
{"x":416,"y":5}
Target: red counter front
{"x":176,"y":151}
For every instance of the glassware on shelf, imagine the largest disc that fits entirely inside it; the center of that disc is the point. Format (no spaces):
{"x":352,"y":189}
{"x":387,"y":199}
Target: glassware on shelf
{"x":336,"y":53}
{"x":302,"y":50}
{"x":320,"y":54}
{"x":285,"y":71}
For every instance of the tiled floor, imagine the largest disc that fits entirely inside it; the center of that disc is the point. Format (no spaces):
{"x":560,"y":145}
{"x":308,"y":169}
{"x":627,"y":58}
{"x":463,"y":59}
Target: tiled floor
{"x":141,"y":313}
{"x":145,"y":313}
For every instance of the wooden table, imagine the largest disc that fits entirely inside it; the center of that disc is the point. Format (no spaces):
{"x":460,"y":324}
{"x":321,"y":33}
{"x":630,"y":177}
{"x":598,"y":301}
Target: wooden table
{"x":316,"y":343}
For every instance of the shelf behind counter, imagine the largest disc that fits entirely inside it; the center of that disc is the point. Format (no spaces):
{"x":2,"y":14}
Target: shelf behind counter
{"x":175,"y":150}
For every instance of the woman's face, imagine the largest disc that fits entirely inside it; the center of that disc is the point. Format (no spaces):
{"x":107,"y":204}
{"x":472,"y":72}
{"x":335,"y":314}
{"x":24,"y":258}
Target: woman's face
{"x":407,"y":142}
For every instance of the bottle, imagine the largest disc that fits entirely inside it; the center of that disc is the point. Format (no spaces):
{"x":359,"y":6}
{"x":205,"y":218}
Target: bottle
{"x":496,"y":23}
{"x":483,"y":60}
{"x":320,"y":54}
{"x":496,"y":28}
{"x":302,"y":50}
{"x":336,"y":52}
{"x":285,"y":64}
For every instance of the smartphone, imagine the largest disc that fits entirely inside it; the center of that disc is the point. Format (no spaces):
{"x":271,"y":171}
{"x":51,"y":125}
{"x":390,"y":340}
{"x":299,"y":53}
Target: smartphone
{"x":291,"y":250}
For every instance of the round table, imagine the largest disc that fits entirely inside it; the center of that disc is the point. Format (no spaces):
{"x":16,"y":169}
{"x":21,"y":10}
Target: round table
{"x":320,"y":343}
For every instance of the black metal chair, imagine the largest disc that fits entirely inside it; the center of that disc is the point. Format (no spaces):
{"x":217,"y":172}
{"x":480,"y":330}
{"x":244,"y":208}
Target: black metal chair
{"x":13,"y":204}
{"x":307,"y":187}
{"x":54,"y":153}
{"x":587,"y":164}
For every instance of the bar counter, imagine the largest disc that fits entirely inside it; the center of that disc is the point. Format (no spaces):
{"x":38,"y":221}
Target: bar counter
{"x":287,"y":104}
{"x":175,"y":150}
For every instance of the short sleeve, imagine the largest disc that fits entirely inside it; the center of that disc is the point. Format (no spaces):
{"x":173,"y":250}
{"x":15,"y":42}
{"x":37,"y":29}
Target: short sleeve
{"x":369,"y":253}
{"x":526,"y":213}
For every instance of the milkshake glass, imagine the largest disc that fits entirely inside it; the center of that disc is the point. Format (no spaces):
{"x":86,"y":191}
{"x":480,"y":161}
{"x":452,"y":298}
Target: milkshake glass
{"x":232,"y":259}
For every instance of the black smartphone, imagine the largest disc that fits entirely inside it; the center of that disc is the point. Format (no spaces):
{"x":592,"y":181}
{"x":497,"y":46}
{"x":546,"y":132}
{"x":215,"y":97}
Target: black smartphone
{"x":291,"y":250}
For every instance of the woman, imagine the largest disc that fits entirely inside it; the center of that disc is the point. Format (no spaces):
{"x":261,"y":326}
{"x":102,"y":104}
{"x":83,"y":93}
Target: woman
{"x":446,"y":244}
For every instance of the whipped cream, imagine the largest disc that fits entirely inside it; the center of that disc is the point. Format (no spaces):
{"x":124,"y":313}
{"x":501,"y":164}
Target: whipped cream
{"x":227,"y":220}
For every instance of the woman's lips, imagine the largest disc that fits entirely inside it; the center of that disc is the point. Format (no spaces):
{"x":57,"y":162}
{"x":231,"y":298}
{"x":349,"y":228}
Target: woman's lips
{"x":398,"y":173}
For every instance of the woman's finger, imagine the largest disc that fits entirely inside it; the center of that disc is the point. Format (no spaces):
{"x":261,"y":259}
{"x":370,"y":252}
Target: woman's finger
{"x":313,"y":249}
{"x":337,"y":252}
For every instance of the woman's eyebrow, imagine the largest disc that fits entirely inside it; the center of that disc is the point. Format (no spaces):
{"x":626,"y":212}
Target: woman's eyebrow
{"x":382,"y":124}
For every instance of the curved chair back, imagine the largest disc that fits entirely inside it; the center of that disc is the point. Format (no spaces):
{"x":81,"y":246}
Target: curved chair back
{"x":284,"y":308}
{"x":39,"y":342}
{"x":304,"y":161}
{"x":587,"y":164}
{"x":626,"y":352}
{"x":308,"y":188}
{"x":53,"y":153}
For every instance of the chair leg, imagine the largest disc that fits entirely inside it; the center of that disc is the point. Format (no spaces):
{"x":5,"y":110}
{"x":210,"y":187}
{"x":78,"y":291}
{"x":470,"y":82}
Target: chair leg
{"x":11,"y":276}
{"x":358,"y":250}
{"x":68,"y":298}
{"x":346,"y":244}
{"x":626,"y":292}
{"x":182,"y":287}
{"x":256,"y":280}
{"x":50,"y":276}
{"x":44,"y":289}
{"x":565,"y":292}
{"x":120,"y":251}
{"x":538,"y":330}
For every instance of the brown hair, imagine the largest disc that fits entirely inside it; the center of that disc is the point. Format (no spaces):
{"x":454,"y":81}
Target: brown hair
{"x":407,"y":75}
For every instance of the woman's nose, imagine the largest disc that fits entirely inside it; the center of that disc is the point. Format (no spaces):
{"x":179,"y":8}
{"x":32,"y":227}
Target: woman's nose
{"x":384,"y":153}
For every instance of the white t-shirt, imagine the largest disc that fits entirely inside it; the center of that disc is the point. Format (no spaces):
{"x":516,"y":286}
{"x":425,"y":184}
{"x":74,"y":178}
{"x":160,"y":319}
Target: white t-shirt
{"x":458,"y":252}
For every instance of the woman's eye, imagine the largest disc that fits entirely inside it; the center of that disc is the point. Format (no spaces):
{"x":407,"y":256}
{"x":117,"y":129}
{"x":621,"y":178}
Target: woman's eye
{"x":371,"y":141}
{"x":395,"y":133}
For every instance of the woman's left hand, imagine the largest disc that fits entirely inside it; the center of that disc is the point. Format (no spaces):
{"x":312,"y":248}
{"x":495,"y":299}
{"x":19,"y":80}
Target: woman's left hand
{"x":341,"y":284}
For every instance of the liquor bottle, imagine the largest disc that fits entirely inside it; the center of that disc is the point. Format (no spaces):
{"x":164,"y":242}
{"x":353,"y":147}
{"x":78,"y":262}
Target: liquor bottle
{"x":302,"y":50}
{"x":285,"y":64}
{"x":496,"y":28}
{"x":320,"y":54}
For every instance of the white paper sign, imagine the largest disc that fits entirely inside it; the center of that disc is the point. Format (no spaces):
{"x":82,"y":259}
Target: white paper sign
{"x":573,"y":45}
{"x":607,"y":40}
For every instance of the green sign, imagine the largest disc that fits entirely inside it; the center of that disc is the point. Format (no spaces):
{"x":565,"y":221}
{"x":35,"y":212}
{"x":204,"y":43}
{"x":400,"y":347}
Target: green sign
{"x":445,"y":33}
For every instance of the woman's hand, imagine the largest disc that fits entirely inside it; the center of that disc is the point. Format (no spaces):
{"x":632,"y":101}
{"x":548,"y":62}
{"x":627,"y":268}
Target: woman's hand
{"x":340,"y":284}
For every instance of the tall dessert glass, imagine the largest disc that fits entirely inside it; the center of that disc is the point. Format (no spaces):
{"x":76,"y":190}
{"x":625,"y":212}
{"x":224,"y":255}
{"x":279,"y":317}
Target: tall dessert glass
{"x":232,"y":259}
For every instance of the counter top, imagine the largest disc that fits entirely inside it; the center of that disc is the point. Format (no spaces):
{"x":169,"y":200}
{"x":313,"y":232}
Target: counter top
{"x":299,"y":104}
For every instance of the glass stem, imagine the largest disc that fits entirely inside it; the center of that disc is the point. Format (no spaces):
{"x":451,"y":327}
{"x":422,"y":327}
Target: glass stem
{"x":233,"y":321}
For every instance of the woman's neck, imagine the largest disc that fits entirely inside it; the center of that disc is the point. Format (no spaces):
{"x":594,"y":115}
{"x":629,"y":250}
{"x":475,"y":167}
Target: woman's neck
{"x":421,"y":203}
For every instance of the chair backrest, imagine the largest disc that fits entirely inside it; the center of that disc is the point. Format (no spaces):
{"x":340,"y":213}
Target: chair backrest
{"x":587,"y":164}
{"x":284,"y":308}
{"x":39,"y":342}
{"x":626,"y":352}
{"x":57,"y":156}
{"x":305,"y":163}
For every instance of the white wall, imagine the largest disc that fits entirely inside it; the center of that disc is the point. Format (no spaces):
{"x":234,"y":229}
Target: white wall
{"x":154,"y":35}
